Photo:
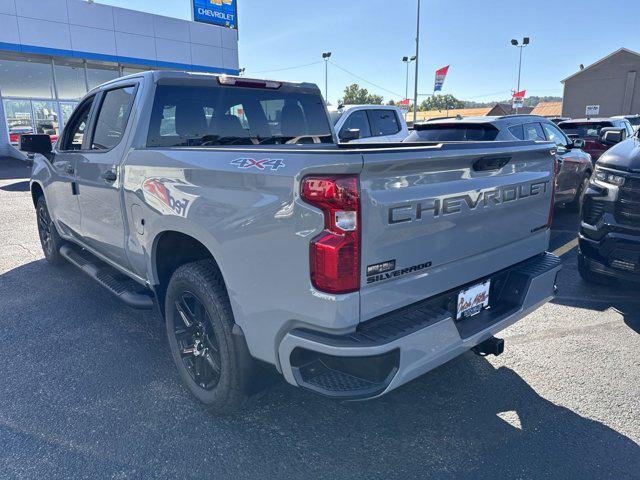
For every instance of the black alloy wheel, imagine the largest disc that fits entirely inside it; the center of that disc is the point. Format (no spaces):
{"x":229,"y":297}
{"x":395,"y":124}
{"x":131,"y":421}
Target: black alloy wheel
{"x":198,"y":346}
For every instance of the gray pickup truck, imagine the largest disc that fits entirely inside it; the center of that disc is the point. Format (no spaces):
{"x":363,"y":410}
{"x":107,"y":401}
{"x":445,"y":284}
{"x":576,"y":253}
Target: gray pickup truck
{"x":351,"y":269}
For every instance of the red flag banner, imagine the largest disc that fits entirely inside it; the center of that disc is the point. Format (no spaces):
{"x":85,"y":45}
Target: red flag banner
{"x":441,"y":74}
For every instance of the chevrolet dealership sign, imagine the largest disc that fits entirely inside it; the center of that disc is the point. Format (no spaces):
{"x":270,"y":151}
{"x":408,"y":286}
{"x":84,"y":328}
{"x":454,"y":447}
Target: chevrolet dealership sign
{"x":216,"y":12}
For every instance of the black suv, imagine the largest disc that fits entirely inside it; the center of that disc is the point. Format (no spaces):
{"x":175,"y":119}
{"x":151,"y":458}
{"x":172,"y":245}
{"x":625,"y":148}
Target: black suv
{"x":610,"y":227}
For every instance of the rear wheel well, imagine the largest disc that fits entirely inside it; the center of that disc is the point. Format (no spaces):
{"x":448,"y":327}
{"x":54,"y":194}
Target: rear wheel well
{"x":174,"y":249}
{"x":36,"y":192}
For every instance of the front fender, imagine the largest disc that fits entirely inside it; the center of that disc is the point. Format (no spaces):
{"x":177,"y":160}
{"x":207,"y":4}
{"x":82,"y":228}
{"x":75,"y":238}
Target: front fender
{"x":40,"y":176}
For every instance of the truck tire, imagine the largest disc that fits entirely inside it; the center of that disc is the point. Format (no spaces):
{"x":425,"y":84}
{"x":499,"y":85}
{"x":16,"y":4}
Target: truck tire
{"x":590,"y":276}
{"x":199,"y":325}
{"x":50,"y":239}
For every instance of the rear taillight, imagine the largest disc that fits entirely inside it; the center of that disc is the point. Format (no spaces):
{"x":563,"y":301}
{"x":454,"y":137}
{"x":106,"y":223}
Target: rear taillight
{"x":556,"y":167}
{"x":334,"y":255}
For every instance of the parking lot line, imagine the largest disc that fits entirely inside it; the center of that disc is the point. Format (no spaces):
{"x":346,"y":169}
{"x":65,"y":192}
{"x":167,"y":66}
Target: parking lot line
{"x":567,"y":247}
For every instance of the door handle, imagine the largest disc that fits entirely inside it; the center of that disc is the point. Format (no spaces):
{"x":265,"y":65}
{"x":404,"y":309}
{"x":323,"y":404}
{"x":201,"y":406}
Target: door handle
{"x":490,"y":163}
{"x":109,"y":176}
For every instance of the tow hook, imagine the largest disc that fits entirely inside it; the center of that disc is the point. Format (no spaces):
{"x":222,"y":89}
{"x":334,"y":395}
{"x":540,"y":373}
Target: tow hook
{"x":491,"y":346}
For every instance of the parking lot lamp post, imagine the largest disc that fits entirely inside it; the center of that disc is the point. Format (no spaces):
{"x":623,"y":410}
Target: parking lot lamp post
{"x":408,"y":60}
{"x":515,"y":43}
{"x":415,"y":92}
{"x":326,"y":56}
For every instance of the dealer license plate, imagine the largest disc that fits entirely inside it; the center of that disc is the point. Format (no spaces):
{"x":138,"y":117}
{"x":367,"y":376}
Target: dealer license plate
{"x":473,"y":300}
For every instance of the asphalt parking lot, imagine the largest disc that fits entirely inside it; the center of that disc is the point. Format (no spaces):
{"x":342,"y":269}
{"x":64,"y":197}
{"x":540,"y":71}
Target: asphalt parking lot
{"x":88,"y":390}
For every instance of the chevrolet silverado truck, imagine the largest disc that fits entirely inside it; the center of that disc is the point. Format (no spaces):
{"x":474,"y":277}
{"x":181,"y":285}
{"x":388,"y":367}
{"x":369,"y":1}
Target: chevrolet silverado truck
{"x":352,"y":269}
{"x":610,"y":217}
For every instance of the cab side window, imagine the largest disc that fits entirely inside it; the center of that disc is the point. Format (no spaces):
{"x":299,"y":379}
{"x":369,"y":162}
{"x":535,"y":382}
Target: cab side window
{"x":384,"y":122}
{"x":554,"y":135}
{"x":112,"y":118}
{"x":358,"y":120}
{"x":76,"y":127}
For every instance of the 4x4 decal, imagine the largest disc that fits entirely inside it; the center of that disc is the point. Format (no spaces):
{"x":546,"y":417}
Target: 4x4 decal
{"x":246,"y":163}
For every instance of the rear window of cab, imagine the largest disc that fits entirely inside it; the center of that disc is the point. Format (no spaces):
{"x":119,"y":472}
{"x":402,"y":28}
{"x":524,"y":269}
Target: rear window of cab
{"x":208,"y":116}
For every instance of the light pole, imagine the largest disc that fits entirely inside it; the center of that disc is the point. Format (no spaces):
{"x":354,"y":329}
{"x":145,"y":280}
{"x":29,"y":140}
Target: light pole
{"x":415,"y":92}
{"x":515,"y":43}
{"x":326,"y":56}
{"x":408,"y":60}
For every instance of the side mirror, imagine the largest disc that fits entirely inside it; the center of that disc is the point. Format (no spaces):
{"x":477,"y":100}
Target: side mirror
{"x":576,"y":143}
{"x":36,"y":143}
{"x":349,"y":134}
{"x":611,"y":136}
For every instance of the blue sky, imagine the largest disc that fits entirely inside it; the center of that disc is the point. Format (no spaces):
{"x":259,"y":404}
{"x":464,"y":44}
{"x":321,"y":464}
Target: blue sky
{"x":369,"y":37}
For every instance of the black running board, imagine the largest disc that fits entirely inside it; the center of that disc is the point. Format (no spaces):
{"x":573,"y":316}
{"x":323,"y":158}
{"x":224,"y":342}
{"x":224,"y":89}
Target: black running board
{"x":127,"y":290}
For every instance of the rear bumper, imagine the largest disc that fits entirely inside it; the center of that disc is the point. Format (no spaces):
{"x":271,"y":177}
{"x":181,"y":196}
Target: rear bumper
{"x":389,"y":351}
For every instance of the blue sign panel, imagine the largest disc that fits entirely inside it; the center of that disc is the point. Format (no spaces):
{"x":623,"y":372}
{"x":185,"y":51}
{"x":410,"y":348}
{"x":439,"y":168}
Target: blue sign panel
{"x":216,"y":12}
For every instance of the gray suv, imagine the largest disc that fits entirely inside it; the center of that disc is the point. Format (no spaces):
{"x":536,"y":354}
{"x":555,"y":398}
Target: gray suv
{"x":575,"y":166}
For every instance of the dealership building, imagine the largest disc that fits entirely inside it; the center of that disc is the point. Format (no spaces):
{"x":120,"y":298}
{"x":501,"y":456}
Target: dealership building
{"x":609,"y":87}
{"x":53,"y":51}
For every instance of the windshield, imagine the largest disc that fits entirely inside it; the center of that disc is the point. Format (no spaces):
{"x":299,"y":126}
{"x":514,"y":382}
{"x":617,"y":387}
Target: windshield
{"x":194,"y":116}
{"x":452,"y":133}
{"x":635,"y":121}
{"x":584,"y":130}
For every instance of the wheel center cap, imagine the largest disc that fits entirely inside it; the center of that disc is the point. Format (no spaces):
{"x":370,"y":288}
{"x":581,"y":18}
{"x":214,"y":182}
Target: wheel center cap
{"x":199,"y":348}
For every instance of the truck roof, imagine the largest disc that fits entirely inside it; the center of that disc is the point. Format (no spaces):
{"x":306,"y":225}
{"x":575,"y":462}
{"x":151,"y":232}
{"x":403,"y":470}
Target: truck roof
{"x":159,"y":75}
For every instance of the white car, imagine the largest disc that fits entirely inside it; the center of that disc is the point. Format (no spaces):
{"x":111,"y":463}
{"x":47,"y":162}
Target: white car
{"x":634,"y":120}
{"x":375,"y":123}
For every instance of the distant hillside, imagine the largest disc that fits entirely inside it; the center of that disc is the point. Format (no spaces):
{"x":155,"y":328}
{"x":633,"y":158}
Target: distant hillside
{"x":528,"y":102}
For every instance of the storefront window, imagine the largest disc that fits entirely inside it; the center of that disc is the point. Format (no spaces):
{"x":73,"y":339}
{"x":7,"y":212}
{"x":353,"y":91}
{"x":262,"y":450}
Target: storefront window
{"x":19,"y":118}
{"x":97,"y":75}
{"x":27,"y":78}
{"x":70,"y":80}
{"x":46,"y":118}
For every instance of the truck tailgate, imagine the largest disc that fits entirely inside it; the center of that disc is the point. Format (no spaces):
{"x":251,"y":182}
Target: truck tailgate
{"x":439,"y":217}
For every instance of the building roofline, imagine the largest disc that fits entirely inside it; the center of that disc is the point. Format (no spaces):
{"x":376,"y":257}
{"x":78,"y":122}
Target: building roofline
{"x":620,"y":50}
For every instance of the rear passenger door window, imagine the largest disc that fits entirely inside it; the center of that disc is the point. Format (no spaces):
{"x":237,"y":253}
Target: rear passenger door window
{"x":112,"y":118}
{"x":533,"y":131}
{"x":357,"y":120}
{"x":517,"y":131}
{"x":383,"y":122}
{"x":554,"y":135}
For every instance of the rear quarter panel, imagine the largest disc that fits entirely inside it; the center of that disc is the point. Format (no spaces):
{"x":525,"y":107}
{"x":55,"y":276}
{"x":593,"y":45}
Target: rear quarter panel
{"x":253,"y":223}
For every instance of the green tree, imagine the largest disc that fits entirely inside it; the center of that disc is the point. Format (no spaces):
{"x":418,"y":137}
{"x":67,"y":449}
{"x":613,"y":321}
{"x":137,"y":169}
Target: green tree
{"x":441,"y":102}
{"x":355,"y":95}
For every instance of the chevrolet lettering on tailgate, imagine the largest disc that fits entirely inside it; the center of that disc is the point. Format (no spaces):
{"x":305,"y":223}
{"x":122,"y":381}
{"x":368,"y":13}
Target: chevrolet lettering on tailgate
{"x":436,"y":207}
